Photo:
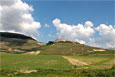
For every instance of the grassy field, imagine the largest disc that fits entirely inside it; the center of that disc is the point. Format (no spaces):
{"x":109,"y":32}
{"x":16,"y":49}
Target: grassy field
{"x":46,"y":63}
{"x":96,"y":62}
{"x":20,"y":61}
{"x":55,"y":66}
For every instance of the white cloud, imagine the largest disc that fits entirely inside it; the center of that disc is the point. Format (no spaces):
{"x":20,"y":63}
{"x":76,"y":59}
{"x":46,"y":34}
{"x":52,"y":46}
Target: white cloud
{"x":46,"y":25}
{"x":79,"y":32}
{"x":15,"y":16}
{"x":107,"y":32}
{"x":107,"y":37}
{"x":80,"y":41}
{"x":89,"y":24}
{"x":82,"y":33}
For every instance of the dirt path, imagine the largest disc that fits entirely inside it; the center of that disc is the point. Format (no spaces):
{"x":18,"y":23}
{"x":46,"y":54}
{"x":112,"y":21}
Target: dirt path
{"x":75,"y":61}
{"x":33,"y":52}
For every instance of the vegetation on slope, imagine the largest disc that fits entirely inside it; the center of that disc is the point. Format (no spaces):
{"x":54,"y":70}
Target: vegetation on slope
{"x":16,"y":42}
{"x":103,"y":53}
{"x":65,"y":48}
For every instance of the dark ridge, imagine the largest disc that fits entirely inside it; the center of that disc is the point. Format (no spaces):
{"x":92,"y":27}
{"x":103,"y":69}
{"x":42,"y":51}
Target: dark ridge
{"x":53,"y":42}
{"x":14,"y":35}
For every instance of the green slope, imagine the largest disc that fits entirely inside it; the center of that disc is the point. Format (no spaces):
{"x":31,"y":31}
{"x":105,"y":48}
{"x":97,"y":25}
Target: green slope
{"x":65,"y":48}
{"x":12,"y":42}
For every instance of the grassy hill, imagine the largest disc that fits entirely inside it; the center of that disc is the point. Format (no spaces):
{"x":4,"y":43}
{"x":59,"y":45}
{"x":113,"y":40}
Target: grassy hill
{"x":66,"y":48}
{"x":13,"y":42}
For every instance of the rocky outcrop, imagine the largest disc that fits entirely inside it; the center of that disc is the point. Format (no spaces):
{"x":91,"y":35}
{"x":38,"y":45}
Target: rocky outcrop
{"x":62,"y":40}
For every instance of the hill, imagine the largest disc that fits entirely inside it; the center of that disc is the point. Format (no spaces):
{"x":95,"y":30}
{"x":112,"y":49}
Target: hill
{"x":66,"y":47}
{"x":65,"y":60}
{"x":13,"y":42}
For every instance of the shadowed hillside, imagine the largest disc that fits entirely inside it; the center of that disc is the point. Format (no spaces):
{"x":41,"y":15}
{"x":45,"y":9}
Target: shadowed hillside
{"x":17,"y":42}
{"x":14,"y":35}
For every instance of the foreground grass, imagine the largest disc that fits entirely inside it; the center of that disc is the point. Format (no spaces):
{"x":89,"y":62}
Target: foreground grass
{"x":20,"y":61}
{"x":62,"y":73}
{"x":54,"y":66}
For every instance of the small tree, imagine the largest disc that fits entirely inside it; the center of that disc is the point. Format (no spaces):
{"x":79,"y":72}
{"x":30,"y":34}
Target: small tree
{"x":50,"y":42}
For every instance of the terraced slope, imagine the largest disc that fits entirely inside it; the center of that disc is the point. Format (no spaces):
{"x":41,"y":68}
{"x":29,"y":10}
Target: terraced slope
{"x":16,"y":42}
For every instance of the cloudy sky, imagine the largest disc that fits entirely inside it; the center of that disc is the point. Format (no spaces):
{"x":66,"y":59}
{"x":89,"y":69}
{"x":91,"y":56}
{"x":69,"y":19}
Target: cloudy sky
{"x":89,"y":22}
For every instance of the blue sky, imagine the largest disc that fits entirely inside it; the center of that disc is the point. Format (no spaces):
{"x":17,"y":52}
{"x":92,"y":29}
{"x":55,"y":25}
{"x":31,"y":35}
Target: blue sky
{"x":70,"y":12}
{"x":88,"y":22}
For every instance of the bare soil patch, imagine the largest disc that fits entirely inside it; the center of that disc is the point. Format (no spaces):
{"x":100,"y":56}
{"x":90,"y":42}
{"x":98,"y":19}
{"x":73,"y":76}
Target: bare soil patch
{"x":33,"y":52}
{"x":27,"y":71}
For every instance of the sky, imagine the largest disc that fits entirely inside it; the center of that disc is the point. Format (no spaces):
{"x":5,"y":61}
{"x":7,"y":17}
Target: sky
{"x":89,"y":22}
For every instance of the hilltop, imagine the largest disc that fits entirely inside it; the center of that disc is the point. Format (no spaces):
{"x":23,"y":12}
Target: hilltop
{"x":67,"y":47}
{"x":13,"y":42}
{"x":14,"y":35}
{"x":62,"y":40}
